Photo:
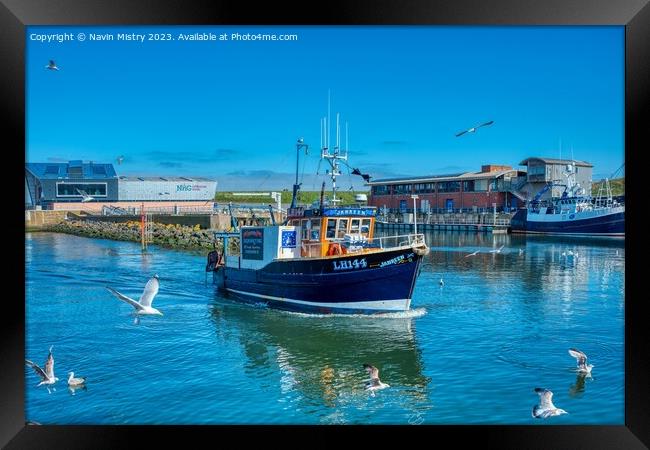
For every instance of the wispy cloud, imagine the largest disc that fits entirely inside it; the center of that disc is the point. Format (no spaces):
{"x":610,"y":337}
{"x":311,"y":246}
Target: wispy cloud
{"x":268,"y":180}
{"x":216,"y":155}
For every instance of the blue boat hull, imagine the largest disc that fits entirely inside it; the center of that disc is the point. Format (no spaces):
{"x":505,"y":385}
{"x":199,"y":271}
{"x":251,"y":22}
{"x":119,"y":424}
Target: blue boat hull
{"x":607,"y":225}
{"x":383,"y":282}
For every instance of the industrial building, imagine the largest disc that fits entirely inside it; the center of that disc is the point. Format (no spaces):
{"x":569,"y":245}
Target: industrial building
{"x":495,"y":186}
{"x":93,"y":187}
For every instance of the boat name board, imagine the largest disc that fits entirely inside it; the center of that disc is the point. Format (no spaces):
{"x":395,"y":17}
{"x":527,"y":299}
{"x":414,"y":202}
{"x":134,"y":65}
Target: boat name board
{"x":350,"y":265}
{"x":349,"y":212}
{"x":398,"y":260}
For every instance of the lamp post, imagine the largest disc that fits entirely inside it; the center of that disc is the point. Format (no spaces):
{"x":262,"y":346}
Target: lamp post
{"x":415,"y":214}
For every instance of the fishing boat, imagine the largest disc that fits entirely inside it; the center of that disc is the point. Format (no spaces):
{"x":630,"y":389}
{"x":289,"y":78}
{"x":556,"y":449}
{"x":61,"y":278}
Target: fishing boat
{"x":323,"y":259}
{"x":573,"y":213}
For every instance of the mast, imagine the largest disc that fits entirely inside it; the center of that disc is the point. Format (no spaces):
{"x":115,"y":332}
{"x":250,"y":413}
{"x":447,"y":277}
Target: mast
{"x":334,"y":157}
{"x":296,"y":187}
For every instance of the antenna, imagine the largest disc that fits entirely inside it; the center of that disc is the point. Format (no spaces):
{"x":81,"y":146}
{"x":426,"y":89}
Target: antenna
{"x":346,"y":139}
{"x":560,"y":148}
{"x":332,"y":158}
{"x":328,"y":117}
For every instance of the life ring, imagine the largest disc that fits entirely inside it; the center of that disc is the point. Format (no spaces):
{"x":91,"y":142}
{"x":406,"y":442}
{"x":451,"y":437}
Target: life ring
{"x":334,"y":249}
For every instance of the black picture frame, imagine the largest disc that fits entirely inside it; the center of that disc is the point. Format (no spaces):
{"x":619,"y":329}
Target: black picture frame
{"x":15,"y":15}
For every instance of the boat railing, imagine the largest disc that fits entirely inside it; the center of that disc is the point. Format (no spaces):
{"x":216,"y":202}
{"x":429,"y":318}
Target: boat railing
{"x":360,"y":244}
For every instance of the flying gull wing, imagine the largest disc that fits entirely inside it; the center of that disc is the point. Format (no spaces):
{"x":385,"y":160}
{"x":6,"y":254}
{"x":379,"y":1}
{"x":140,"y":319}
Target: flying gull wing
{"x":150,"y":291}
{"x":577,"y":354}
{"x":49,"y":365}
{"x":37,"y":369}
{"x":126,"y":299}
{"x":486,"y":123}
{"x":461,"y":133}
{"x":545,"y":398}
{"x":372,"y":370}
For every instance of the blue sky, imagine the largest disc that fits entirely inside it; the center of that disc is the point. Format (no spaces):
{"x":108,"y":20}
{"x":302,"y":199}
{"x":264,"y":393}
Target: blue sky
{"x":232,"y":110}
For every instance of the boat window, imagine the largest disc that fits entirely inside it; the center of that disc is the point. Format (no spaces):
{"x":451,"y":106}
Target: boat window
{"x":365,"y":227}
{"x":304,"y":232}
{"x":354,"y":226}
{"x":315,"y":230}
{"x":331,"y":229}
{"x":342,"y":228}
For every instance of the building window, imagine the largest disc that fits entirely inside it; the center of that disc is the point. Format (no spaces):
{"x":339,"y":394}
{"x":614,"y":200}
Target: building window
{"x":468,"y":186}
{"x":72,"y":189}
{"x":380,"y":190}
{"x":449,"y":186}
{"x":402,"y":189}
{"x":424,"y":188}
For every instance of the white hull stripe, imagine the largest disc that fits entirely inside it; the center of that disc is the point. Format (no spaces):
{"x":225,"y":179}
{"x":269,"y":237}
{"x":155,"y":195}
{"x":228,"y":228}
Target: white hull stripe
{"x":570,"y":234}
{"x":386,"y":305}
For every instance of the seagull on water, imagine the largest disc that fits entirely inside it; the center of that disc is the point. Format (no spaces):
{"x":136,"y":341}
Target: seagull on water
{"x":546,"y":408}
{"x":472,"y":254}
{"x":52,"y":65}
{"x":75,"y":382}
{"x":473,"y":130}
{"x":47,"y":375}
{"x":581,"y":360}
{"x":441,"y":282}
{"x":142,"y":307}
{"x":498,"y":250}
{"x":375,"y":383}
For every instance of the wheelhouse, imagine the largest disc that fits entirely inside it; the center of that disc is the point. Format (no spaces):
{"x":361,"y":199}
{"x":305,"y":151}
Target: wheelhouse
{"x":333,"y":231}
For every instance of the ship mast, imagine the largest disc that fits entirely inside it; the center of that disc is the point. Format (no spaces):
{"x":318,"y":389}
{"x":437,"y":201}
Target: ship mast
{"x":336,"y":154}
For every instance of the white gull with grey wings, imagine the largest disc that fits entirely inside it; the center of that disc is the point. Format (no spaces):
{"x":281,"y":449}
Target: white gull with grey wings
{"x":143,"y":306}
{"x":47,"y":375}
{"x":581,"y":361}
{"x":375,"y":383}
{"x":546,"y":408}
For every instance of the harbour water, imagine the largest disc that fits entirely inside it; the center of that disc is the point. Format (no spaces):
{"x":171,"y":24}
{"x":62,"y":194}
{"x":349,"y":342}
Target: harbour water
{"x":469,"y":352}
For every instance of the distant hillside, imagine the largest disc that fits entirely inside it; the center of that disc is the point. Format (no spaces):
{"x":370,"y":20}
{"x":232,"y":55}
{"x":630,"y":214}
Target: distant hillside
{"x":304,"y":197}
{"x":617,"y":185}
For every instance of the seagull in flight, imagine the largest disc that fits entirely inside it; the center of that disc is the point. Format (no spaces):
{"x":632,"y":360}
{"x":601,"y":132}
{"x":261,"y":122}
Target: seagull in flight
{"x":581,"y":360}
{"x":142,"y":307}
{"x":472,"y":254}
{"x":47,"y":375}
{"x":85,"y":196}
{"x":546,"y":408}
{"x":375,"y":383}
{"x":473,"y":130}
{"x":498,"y":250}
{"x":52,"y":65}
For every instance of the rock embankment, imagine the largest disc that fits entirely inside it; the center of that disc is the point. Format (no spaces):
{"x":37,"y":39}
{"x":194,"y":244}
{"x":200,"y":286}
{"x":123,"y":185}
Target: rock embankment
{"x":174,"y":236}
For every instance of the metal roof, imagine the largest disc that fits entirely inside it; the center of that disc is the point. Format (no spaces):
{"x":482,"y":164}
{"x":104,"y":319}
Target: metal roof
{"x":71,"y":170}
{"x":451,"y":177}
{"x":172,"y":179}
{"x":556,"y":161}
